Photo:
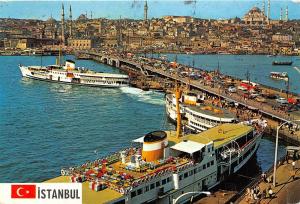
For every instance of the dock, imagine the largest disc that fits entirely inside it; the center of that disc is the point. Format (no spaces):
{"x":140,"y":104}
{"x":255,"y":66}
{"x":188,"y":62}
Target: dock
{"x":147,"y":68}
{"x":285,"y":191}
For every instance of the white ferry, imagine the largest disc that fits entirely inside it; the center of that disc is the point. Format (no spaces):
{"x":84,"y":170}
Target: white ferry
{"x":279,"y":75}
{"x":199,"y":117}
{"x":72,"y":75}
{"x":164,"y":168}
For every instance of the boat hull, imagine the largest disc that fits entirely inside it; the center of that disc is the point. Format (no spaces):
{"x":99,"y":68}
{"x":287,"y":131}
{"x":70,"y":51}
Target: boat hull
{"x":43,"y":76}
{"x":77,"y":84}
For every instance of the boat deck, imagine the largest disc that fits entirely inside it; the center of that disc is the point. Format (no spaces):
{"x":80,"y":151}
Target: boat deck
{"x":220,"y":135}
{"x":89,"y":196}
{"x":212,"y":111}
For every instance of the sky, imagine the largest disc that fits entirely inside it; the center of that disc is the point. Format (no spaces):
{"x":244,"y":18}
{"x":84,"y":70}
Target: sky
{"x":208,"y":9}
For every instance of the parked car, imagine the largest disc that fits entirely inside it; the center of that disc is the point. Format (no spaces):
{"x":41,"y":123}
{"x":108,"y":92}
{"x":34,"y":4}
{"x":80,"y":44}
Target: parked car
{"x":242,"y":88}
{"x":232,"y":89}
{"x":270,"y":96}
{"x":281,"y":101}
{"x":260,"y":99}
{"x":254,"y":95}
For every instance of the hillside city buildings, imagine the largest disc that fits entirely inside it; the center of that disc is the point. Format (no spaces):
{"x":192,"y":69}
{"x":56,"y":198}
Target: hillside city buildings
{"x":255,"y":33}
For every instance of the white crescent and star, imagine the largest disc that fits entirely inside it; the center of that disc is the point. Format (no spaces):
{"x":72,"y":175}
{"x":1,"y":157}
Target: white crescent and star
{"x":18,"y":192}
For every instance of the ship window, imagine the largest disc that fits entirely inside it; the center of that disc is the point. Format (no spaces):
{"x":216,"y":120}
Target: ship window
{"x":208,"y":149}
{"x":139,"y":191}
{"x":204,"y":166}
{"x":168,"y":179}
{"x":152,"y":186}
{"x":185,"y":175}
{"x":208,"y":165}
{"x":157,"y":183}
{"x":191,"y":173}
{"x":133,"y":194}
{"x":180,"y":177}
{"x":212,"y":163}
{"x":164,"y":181}
{"x":146,"y":188}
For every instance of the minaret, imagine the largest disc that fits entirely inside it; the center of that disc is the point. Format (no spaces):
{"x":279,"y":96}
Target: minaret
{"x":71,"y":23}
{"x":145,"y":11}
{"x":286,"y":14}
{"x":62,"y":25}
{"x":100,"y":27}
{"x":263,"y":7}
{"x":269,"y":11}
{"x":280,"y":14}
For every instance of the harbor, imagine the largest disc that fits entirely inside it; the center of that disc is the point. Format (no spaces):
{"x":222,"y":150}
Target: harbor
{"x":61,"y":96}
{"x":153,"y":102}
{"x":213,"y":87}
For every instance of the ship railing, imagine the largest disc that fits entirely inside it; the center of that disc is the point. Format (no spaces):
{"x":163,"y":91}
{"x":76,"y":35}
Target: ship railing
{"x":162,"y":171}
{"x":109,"y":159}
{"x":224,"y":163}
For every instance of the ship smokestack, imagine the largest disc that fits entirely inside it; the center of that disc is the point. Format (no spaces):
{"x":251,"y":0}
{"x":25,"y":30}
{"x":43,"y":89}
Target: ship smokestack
{"x":154,"y":145}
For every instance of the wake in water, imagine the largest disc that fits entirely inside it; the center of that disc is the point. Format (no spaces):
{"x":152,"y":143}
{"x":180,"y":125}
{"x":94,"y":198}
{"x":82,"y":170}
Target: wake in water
{"x":151,"y":97}
{"x":297,"y":69}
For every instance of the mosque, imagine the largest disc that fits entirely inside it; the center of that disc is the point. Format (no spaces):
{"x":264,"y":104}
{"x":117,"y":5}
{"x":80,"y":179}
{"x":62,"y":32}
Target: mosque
{"x":255,"y":17}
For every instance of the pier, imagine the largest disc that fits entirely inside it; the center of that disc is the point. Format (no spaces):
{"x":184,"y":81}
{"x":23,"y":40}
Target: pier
{"x":214,"y":88}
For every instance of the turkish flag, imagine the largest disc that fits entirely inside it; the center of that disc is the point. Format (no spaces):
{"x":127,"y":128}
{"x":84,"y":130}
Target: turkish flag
{"x":23,"y":191}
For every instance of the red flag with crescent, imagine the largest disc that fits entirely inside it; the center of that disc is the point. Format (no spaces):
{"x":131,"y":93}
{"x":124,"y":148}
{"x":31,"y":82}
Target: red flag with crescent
{"x":23,"y":191}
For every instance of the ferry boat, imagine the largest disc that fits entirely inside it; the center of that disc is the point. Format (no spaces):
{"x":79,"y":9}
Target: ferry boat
{"x":166,"y":166}
{"x":198,"y":117}
{"x":282,"y":63}
{"x":162,"y":167}
{"x":71,"y":75}
{"x":279,"y":75}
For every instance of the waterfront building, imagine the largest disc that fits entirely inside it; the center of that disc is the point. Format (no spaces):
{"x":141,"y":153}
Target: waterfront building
{"x":178,"y":19}
{"x":82,"y":44}
{"x":282,"y":38}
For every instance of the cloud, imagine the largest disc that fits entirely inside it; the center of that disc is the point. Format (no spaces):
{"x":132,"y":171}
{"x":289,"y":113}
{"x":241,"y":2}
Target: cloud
{"x":296,"y":1}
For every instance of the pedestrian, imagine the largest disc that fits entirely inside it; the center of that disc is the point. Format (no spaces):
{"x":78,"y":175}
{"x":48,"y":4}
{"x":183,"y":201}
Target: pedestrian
{"x":264,"y":194}
{"x":293,"y":164}
{"x":293,"y":174}
{"x":251,"y":193}
{"x":264,"y":176}
{"x":271,"y":193}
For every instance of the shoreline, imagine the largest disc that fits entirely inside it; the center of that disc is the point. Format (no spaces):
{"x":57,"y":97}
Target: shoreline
{"x":150,"y":52}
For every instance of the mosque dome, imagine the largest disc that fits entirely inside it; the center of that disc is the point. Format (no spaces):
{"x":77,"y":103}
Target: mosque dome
{"x":51,"y":20}
{"x":255,"y":10}
{"x":82,"y":17}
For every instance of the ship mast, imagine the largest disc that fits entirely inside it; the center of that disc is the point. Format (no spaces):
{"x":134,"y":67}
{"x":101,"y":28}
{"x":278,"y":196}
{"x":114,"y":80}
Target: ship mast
{"x":177,"y":97}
